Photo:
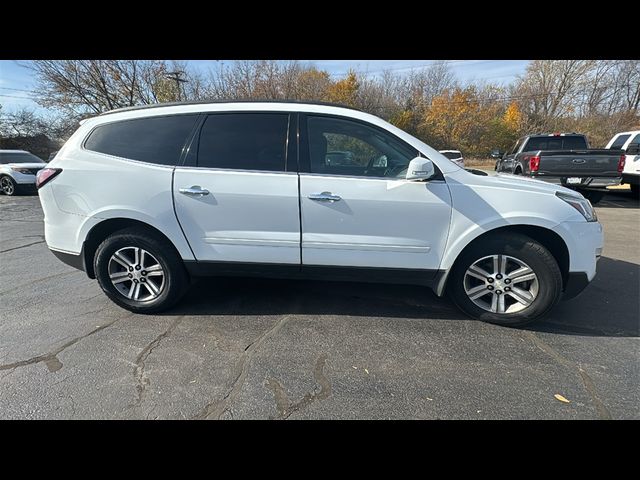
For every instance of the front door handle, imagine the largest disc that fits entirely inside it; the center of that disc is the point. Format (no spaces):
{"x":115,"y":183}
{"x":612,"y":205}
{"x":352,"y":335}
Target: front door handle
{"x":324,"y":197}
{"x":194,"y":191}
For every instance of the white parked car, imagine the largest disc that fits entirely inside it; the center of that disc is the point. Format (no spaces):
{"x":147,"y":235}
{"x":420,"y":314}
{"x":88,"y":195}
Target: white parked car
{"x":630,"y":143}
{"x":144,"y":198}
{"x":18,"y":170}
{"x":455,"y":156}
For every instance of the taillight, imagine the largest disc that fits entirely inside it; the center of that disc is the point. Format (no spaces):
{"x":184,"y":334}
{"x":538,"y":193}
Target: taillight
{"x":534,"y":163}
{"x":621,"y":163}
{"x":46,"y":174}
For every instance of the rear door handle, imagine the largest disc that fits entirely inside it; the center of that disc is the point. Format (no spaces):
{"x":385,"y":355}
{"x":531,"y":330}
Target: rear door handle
{"x":324,"y":197}
{"x":194,"y":191}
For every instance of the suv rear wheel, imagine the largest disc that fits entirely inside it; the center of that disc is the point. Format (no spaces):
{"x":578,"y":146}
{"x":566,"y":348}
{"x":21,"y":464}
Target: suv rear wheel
{"x":507,"y":279}
{"x":140,"y":272}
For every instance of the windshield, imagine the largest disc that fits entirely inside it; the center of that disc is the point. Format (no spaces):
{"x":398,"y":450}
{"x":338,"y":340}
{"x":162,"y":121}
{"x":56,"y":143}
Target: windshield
{"x":18,"y":157}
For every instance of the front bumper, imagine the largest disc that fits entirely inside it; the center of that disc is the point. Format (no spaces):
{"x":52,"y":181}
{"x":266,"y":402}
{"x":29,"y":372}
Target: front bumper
{"x":585,"y":182}
{"x":24,"y":179}
{"x":584,"y":241}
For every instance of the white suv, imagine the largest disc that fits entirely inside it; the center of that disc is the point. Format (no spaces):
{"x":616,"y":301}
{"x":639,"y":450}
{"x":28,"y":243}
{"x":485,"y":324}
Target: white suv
{"x":145,"y":198}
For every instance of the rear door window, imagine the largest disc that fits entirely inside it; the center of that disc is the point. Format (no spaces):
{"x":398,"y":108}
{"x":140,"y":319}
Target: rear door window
{"x":244,"y":141}
{"x":152,"y":139}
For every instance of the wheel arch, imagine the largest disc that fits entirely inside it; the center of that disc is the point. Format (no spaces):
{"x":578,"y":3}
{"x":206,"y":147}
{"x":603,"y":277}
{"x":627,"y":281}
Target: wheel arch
{"x":102,"y":230}
{"x":551,"y":240}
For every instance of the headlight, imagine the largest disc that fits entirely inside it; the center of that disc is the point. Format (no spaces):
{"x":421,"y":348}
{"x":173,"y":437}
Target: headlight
{"x":21,"y":170}
{"x":581,"y":204}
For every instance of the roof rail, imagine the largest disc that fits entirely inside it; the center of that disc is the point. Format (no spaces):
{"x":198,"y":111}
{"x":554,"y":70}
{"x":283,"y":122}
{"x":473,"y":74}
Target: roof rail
{"x":202,"y":102}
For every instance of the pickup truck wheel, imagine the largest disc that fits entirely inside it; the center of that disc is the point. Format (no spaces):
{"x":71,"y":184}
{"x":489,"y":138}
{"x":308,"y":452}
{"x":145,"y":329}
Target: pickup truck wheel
{"x":506,"y":279}
{"x":140,"y":272}
{"x":594,"y":196}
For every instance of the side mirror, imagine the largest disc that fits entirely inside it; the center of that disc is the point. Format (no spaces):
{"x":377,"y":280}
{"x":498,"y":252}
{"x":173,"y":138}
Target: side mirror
{"x":496,"y":154}
{"x":633,"y":149}
{"x":420,"y":168}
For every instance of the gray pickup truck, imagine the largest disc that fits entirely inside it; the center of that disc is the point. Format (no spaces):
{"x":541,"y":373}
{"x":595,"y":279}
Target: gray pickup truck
{"x":564,"y":159}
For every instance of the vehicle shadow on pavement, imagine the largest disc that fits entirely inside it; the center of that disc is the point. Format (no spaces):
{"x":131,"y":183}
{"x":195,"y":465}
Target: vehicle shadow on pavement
{"x":619,"y":199}
{"x":258,"y":296}
{"x":608,"y":307}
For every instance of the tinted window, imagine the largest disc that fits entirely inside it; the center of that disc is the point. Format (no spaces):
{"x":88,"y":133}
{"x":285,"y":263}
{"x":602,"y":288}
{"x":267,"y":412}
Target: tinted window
{"x":636,"y":140}
{"x":343,"y":147}
{"x":452,"y":156}
{"x":17,"y":157}
{"x":619,"y":142}
{"x":154,"y":139}
{"x":555,"y":143}
{"x":244,"y":141}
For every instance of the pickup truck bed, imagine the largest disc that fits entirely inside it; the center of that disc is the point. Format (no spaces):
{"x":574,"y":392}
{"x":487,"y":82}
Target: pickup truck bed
{"x":596,"y":168}
{"x":567,"y":160}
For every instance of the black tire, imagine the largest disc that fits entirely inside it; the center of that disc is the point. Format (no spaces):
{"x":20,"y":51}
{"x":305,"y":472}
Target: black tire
{"x":176,"y":279}
{"x":525,"y":249}
{"x":635,"y":190}
{"x":8,"y":186}
{"x":518,"y":171}
{"x":594,"y":196}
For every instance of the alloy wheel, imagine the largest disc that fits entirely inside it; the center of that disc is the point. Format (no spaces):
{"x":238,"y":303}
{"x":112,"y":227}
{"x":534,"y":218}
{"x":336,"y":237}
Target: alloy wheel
{"x":6,"y":185}
{"x":136,"y":274}
{"x":501,"y":284}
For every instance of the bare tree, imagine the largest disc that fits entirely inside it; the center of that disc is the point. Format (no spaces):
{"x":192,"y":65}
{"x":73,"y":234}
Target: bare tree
{"x":85,"y":87}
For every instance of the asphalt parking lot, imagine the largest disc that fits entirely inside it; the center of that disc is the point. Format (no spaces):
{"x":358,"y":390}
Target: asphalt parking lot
{"x":259,"y":349}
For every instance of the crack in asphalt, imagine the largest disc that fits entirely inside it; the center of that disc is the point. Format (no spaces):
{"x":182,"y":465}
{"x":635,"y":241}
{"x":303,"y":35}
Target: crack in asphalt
{"x":39,"y":280}
{"x":217,"y":408}
{"x":21,"y":246}
{"x":284,"y":406}
{"x":139,"y":374}
{"x":587,"y":381}
{"x":50,"y":359}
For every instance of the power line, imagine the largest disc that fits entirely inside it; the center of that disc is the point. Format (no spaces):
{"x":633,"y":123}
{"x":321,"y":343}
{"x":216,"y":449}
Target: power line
{"x":15,"y":96}
{"x":16,"y":89}
{"x":412,"y":67}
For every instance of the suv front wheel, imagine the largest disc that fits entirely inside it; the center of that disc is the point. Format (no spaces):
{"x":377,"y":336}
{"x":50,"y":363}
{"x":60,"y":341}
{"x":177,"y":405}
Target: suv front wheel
{"x":140,"y":272}
{"x":507,"y":279}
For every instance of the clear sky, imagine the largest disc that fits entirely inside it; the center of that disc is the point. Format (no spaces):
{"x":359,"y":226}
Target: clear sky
{"x":16,"y":80}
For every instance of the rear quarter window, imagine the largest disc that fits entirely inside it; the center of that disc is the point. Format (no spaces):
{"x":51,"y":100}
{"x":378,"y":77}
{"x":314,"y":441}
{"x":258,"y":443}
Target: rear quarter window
{"x":156,"y":140}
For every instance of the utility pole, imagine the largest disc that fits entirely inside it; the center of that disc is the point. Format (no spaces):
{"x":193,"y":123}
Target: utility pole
{"x":175,"y":76}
